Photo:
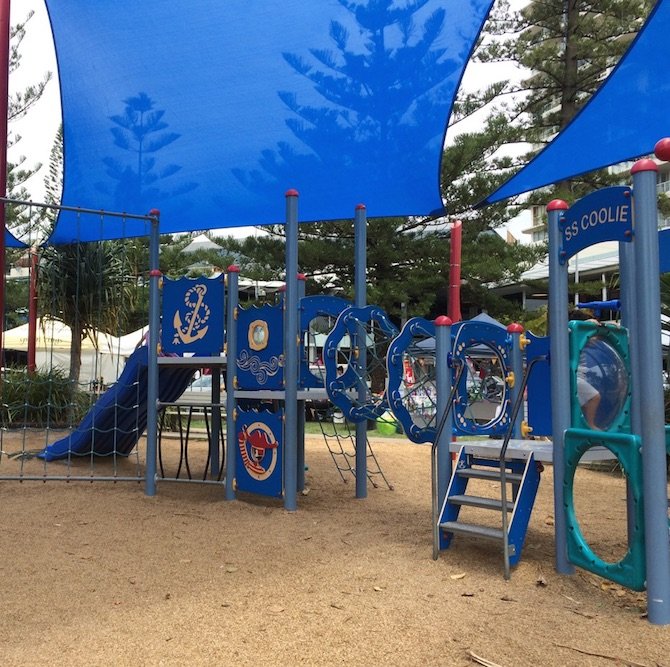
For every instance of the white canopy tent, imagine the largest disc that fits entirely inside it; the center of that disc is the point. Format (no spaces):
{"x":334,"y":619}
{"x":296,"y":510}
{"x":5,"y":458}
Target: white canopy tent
{"x":103,"y":356}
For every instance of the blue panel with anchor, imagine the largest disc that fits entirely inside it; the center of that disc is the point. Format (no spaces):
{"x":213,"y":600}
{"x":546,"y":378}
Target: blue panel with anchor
{"x":193,"y":314}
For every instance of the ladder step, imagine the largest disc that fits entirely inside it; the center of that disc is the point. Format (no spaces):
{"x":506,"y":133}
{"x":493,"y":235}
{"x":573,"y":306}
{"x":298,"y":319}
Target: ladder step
{"x":473,"y":530}
{"x":479,"y":473}
{"x":478,"y":501}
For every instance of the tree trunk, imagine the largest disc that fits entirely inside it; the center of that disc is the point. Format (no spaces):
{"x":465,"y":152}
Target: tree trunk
{"x":75,"y":354}
{"x":569,"y":92}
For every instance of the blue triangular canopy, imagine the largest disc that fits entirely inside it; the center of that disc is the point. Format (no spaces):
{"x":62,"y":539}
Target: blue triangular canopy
{"x":622,"y":121}
{"x":211,"y":111}
{"x":12,"y":242}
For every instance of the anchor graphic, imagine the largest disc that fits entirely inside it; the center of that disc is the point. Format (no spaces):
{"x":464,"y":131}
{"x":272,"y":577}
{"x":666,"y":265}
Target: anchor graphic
{"x":193,"y":318}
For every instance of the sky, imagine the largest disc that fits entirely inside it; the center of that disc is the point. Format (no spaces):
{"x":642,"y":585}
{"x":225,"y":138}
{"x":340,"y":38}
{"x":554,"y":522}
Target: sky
{"x":38,"y":129}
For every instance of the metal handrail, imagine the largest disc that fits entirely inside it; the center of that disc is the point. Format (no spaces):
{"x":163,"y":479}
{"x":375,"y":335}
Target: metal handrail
{"x":433,"y":457}
{"x":503,"y":452}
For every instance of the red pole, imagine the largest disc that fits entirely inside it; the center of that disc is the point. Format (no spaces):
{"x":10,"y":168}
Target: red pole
{"x":32,"y":312}
{"x":455,"y":272}
{"x":4,"y":111}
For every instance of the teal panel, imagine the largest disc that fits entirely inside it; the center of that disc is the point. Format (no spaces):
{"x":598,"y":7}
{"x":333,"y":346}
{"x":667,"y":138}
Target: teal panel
{"x":630,"y":571}
{"x":600,"y":361}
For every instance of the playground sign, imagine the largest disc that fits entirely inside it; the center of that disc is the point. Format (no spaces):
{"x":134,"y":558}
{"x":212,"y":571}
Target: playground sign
{"x":603,"y":215}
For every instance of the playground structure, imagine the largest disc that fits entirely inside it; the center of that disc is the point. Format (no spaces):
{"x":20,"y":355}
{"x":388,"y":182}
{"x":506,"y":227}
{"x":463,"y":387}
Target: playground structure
{"x":438,"y":374}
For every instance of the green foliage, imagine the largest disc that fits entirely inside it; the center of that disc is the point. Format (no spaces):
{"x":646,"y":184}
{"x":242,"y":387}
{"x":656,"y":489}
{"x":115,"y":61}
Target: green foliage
{"x":567,"y":48}
{"x":86,"y":285}
{"x":41,"y":399}
{"x":20,"y":103}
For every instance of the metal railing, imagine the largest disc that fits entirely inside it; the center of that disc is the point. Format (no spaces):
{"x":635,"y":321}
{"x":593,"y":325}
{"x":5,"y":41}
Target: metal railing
{"x":433,"y":458}
{"x":503,"y":451}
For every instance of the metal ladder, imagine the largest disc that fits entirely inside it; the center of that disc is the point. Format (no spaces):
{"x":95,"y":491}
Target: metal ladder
{"x":523,"y":475}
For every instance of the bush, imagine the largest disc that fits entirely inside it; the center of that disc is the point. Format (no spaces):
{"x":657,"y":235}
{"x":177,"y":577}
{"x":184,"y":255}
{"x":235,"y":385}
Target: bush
{"x":41,"y":400}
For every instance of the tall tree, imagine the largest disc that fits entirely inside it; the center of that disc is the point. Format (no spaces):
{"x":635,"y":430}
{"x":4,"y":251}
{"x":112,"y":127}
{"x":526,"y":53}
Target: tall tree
{"x":20,"y":104}
{"x":86,"y":286}
{"x":567,"y":47}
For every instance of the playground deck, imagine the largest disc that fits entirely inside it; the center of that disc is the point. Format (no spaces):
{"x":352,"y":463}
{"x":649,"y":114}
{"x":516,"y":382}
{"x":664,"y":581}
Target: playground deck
{"x":522,"y":449}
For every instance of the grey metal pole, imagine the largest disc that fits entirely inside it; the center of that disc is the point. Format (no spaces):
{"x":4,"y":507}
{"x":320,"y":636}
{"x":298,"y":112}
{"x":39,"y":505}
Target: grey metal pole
{"x":231,"y":378}
{"x":443,"y":388}
{"x":301,"y":404}
{"x":515,"y":331}
{"x":154,"y":338}
{"x":628,"y":319}
{"x":647,"y":329}
{"x":291,"y":354}
{"x":360,"y":300}
{"x":560,"y":373}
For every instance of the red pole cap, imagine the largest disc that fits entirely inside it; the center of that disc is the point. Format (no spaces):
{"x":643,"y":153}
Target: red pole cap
{"x":557,"y":205}
{"x":662,"y":149}
{"x":360,"y":207}
{"x":443,"y":321}
{"x":291,"y":193}
{"x":514,"y":328}
{"x":154,"y":213}
{"x":233,"y":268}
{"x":645,"y":164}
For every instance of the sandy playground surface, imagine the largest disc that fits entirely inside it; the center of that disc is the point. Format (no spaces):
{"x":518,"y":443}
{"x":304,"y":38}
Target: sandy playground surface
{"x":100,"y":574}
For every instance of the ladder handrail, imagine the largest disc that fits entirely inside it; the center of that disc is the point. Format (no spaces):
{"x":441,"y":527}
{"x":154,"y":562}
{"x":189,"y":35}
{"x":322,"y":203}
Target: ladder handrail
{"x":503,"y":452}
{"x":433,"y":456}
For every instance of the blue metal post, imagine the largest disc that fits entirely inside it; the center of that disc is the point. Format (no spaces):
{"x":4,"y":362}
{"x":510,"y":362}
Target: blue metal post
{"x":360,"y":300}
{"x":560,"y":372}
{"x":231,"y":378}
{"x":301,"y":404}
{"x":647,"y":329}
{"x":516,"y":358}
{"x":628,"y":319}
{"x":291,"y":354}
{"x":443,"y":388}
{"x":154,"y":338}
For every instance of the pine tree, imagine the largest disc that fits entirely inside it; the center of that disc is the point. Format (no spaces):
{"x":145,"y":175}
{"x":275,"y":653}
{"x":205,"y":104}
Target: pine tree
{"x":568,"y":48}
{"x":20,"y":102}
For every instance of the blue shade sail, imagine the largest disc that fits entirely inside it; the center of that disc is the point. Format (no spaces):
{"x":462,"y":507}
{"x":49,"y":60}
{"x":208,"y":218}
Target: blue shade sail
{"x":12,"y":242}
{"x":209,"y":111}
{"x":623,"y":120}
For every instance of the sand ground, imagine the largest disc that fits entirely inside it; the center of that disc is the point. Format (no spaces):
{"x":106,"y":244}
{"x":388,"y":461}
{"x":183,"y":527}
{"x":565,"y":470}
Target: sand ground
{"x":100,"y":574}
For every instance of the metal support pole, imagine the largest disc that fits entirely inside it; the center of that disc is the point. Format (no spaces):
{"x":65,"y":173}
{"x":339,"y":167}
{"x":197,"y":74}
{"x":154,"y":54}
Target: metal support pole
{"x":231,"y":378}
{"x":5,"y":50}
{"x":32,"y":312}
{"x":291,"y":354}
{"x":301,"y":404}
{"x":443,"y":388}
{"x":647,"y":329}
{"x":559,"y":355}
{"x":455,"y":271}
{"x":360,"y":300}
{"x":515,"y":331}
{"x":628,"y":319}
{"x":154,"y":338}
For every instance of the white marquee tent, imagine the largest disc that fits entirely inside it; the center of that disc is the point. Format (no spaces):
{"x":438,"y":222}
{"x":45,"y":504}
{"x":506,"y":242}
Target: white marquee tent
{"x":102,"y":355}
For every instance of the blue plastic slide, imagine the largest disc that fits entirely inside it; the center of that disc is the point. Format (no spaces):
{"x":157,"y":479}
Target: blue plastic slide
{"x":117,"y":420}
